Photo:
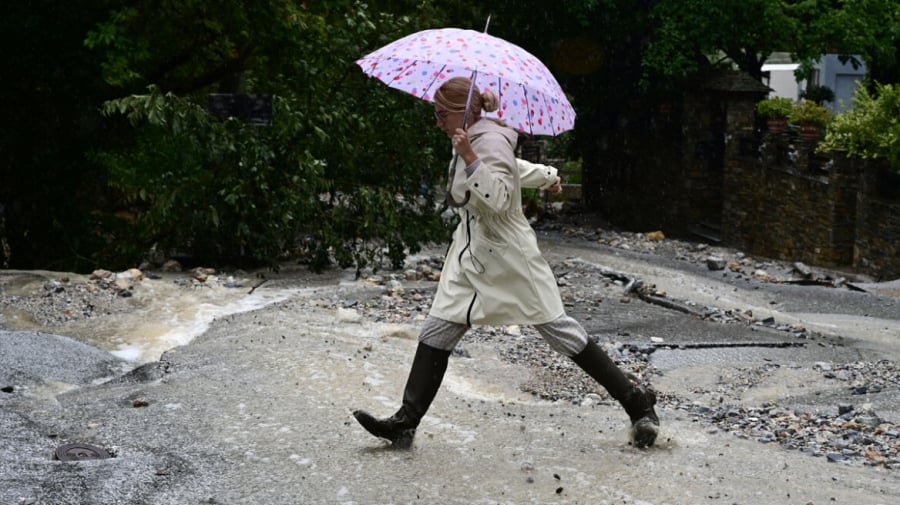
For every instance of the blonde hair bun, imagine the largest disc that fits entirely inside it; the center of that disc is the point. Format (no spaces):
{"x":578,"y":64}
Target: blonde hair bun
{"x":489,"y":101}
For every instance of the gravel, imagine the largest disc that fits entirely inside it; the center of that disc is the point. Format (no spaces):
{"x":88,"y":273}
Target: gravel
{"x":57,"y":302}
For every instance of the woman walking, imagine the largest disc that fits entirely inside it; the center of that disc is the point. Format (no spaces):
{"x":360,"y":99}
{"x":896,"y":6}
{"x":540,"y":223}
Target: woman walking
{"x":494,"y":272}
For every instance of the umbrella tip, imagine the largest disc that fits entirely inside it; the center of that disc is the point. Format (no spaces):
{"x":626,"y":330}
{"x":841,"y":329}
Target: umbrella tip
{"x":486,"y":25}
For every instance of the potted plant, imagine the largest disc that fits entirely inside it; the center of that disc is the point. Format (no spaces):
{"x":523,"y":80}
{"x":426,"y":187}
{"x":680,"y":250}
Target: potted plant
{"x":775,"y":111}
{"x":811,"y":117}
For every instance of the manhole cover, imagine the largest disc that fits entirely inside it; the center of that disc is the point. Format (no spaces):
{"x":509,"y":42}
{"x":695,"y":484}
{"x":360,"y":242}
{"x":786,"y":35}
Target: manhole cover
{"x":80,"y":452}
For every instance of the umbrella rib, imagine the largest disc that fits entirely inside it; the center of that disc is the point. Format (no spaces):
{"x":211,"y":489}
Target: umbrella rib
{"x":549,"y":116}
{"x":528,"y":110}
{"x":434,"y":79}
{"x":403,"y":71}
{"x":500,"y":90}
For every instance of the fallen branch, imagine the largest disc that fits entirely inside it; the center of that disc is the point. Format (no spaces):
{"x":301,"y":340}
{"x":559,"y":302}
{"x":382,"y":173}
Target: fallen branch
{"x":669,"y":304}
{"x":637,"y":287}
{"x":715,"y":345}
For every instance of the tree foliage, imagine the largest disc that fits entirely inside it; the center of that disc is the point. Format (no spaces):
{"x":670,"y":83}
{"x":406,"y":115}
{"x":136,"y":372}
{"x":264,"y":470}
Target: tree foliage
{"x":695,"y":34}
{"x":339,"y":175}
{"x":691,"y":34}
{"x":868,"y":28}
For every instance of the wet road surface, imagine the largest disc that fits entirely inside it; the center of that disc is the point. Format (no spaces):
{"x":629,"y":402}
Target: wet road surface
{"x":256,"y":408}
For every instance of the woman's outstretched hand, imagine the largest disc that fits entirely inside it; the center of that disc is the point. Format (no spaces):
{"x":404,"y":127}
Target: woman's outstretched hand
{"x":556,"y":187}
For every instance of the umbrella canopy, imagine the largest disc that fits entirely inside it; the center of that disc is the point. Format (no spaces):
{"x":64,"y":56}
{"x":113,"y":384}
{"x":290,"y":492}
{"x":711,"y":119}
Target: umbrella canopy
{"x":530,"y":98}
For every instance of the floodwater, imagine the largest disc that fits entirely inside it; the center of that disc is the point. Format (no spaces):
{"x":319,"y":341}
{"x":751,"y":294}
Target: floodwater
{"x":167,"y":320}
{"x":163,"y":314}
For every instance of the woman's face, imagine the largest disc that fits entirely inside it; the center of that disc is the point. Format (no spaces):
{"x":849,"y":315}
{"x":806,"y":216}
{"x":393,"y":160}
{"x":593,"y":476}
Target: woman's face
{"x":446,"y":120}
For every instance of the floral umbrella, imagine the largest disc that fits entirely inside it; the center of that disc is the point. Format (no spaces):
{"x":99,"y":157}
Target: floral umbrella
{"x":530,"y":98}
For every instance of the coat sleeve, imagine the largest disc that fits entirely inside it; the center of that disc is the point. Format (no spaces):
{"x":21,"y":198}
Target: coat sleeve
{"x":493,"y":180}
{"x":535,"y":175}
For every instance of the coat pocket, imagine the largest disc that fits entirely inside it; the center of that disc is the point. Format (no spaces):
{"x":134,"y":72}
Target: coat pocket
{"x":487,"y":256}
{"x":491,"y":247}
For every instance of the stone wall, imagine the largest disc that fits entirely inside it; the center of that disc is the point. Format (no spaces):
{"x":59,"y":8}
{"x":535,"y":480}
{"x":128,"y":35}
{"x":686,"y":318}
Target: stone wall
{"x":781,"y":200}
{"x":706,"y":168}
{"x":877,"y":244}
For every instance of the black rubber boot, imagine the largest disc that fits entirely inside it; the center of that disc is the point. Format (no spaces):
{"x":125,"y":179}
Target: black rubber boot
{"x":424,"y":380}
{"x":637,"y":401}
{"x":644,"y":421}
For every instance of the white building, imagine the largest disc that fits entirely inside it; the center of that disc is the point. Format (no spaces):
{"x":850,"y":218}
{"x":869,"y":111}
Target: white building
{"x":829,"y":71}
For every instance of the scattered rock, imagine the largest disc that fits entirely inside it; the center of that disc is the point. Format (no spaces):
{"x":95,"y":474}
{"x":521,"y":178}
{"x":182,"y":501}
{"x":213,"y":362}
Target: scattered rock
{"x":803,"y":270}
{"x":716,"y":263}
{"x":347,"y":316}
{"x":171,"y":266}
{"x":850,"y":434}
{"x":100,"y":274}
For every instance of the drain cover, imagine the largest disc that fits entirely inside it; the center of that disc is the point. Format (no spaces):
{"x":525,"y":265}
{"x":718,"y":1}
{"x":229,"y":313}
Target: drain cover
{"x":80,"y":452}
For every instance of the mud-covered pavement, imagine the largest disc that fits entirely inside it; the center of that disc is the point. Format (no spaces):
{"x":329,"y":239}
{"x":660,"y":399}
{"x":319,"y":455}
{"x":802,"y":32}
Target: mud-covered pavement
{"x":769,"y":393}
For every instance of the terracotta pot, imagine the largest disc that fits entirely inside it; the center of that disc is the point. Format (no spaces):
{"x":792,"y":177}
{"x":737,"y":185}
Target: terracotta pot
{"x":776,"y":125}
{"x":810,"y":132}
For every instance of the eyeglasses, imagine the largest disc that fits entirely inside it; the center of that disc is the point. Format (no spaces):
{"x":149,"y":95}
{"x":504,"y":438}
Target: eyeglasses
{"x":441,"y":115}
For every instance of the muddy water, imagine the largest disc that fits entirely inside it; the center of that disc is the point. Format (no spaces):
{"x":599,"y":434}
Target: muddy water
{"x":493,"y":444}
{"x":165,"y":321}
{"x":160,"y":315}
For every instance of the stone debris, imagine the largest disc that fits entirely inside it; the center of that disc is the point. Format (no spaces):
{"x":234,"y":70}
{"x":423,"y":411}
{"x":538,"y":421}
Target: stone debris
{"x":716,"y":263}
{"x":714,"y":257}
{"x":62,"y":301}
{"x":854,"y":437}
{"x":863,"y":377}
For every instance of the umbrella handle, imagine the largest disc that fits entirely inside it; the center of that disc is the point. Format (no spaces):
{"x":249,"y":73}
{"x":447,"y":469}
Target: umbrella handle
{"x":450,"y":200}
{"x":454,"y":203}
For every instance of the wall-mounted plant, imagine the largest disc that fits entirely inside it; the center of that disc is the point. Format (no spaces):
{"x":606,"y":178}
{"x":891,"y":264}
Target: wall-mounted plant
{"x":812,"y":118}
{"x":775,"y":107}
{"x":775,"y":111}
{"x":807,"y":112}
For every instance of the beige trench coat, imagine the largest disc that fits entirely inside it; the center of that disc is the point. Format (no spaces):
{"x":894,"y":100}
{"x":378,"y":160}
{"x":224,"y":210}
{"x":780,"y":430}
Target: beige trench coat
{"x":494,"y":272}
